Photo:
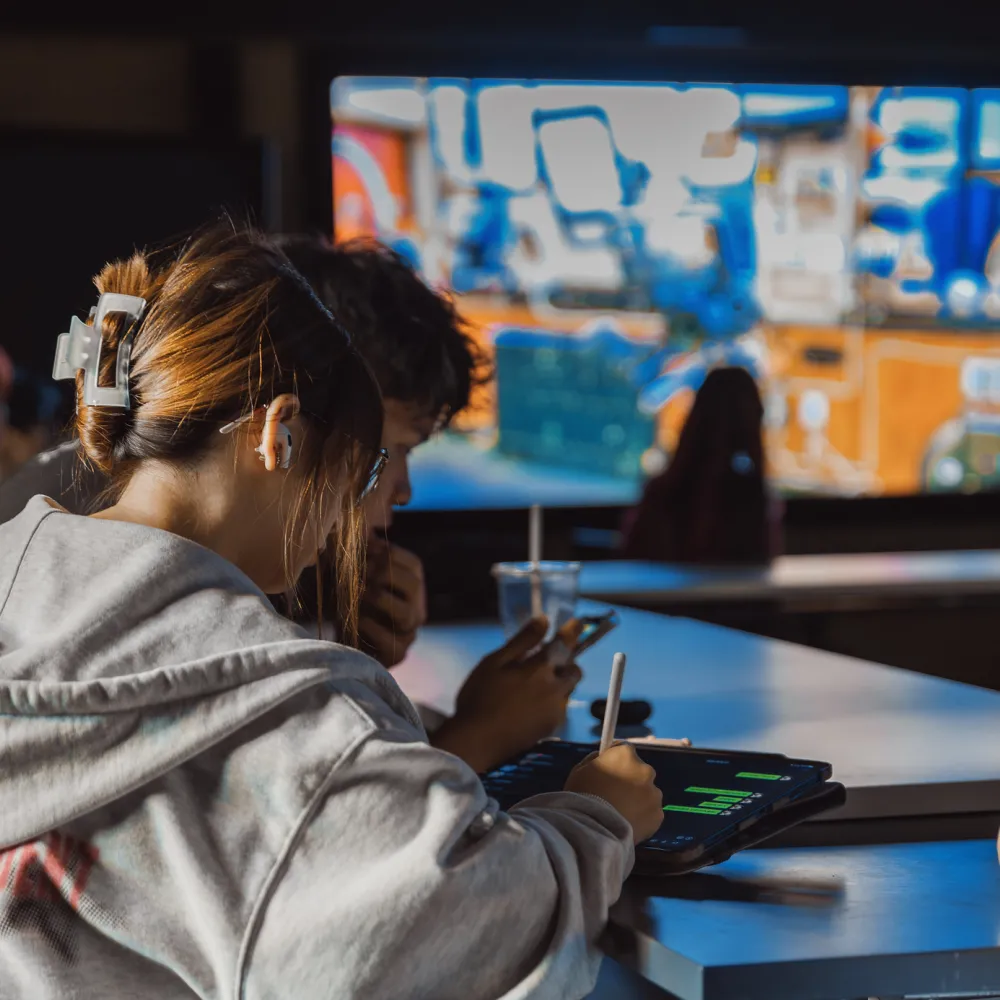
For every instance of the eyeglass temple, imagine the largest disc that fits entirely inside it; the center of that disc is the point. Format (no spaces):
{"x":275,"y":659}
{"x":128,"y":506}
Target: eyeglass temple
{"x":233,"y":424}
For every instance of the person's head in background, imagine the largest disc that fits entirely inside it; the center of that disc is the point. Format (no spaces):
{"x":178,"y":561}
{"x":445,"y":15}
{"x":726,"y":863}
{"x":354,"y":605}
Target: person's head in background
{"x":34,"y":414}
{"x":232,"y":333}
{"x":414,"y":340}
{"x":710,"y":505}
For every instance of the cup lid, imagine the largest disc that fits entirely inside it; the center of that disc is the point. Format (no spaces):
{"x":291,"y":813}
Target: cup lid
{"x":547,"y":567}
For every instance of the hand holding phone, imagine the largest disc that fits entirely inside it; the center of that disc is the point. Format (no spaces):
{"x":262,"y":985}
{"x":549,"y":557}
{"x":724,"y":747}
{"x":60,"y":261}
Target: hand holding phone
{"x":515,"y":697}
{"x":591,"y":629}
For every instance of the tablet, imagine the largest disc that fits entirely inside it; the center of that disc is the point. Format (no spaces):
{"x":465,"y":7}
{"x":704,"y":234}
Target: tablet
{"x":715,"y":802}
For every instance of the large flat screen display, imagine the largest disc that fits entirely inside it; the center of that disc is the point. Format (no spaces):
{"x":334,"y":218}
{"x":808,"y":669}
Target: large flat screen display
{"x":610,"y":243}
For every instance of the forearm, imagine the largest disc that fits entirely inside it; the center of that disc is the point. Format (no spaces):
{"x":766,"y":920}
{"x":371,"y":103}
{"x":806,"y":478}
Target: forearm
{"x":474,"y":743}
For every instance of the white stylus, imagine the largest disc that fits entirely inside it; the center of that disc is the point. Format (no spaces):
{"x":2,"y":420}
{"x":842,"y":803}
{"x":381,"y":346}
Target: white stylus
{"x":614,"y":700}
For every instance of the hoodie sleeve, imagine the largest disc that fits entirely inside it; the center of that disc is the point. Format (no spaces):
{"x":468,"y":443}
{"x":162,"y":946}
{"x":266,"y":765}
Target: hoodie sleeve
{"x":406,"y":881}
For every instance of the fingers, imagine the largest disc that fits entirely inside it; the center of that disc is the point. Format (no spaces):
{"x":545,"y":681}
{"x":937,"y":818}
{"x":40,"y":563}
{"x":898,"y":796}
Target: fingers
{"x":405,"y":561}
{"x":555,"y":652}
{"x":548,"y":689}
{"x":399,"y":612}
{"x":560,"y":650}
{"x":618,"y":749}
{"x":382,"y":553}
{"x":521,"y":644}
{"x":386,"y":644}
{"x":396,"y":571}
{"x":624,"y":755}
{"x":552,"y":666}
{"x":388,"y":573}
{"x":378,"y":549}
{"x":568,"y":677}
{"x":377,"y":546}
{"x":399,"y":575}
{"x":570,"y":632}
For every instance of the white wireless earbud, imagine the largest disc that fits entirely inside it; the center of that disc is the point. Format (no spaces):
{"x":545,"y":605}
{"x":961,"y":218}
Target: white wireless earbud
{"x":283,"y":447}
{"x":282,"y":437}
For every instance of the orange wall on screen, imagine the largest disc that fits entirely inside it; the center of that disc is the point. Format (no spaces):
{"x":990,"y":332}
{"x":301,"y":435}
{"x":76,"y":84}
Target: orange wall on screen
{"x":389,"y":150}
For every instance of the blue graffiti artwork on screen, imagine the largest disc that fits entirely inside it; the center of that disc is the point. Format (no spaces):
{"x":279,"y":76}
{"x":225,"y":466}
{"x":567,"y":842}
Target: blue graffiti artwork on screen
{"x":932,"y":203}
{"x":614,"y":241}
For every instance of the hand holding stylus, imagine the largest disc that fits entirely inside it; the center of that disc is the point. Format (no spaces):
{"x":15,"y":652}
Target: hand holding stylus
{"x":617,"y":774}
{"x":626,"y":782}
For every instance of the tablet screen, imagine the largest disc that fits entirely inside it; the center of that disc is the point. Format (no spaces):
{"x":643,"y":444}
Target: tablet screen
{"x":706,"y":794}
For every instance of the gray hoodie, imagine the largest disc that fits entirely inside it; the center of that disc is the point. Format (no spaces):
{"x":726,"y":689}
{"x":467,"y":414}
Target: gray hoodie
{"x":196,"y":799}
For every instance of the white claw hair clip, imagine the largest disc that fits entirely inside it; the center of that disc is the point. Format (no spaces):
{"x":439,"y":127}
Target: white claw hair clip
{"x":80,"y":350}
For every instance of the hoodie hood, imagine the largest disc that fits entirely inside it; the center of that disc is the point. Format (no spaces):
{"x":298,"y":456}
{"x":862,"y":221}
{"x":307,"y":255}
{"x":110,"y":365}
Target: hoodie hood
{"x":126,"y":650}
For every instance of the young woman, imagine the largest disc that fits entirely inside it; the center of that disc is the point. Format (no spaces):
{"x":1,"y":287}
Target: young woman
{"x":416,"y":346}
{"x":196,"y":799}
{"x":711,"y":504}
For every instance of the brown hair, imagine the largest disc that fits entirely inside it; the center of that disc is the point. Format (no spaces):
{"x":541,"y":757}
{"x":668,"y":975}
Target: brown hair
{"x":229,"y":325}
{"x":710,"y":505}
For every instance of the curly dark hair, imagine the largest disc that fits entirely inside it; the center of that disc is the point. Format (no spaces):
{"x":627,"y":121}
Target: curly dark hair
{"x":415,"y":341}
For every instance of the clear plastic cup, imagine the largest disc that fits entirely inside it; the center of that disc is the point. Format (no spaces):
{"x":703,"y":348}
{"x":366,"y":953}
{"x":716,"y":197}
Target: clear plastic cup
{"x":559,"y":583}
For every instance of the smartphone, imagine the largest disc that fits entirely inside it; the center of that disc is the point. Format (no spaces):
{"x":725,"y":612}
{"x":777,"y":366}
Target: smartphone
{"x":593,"y":629}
